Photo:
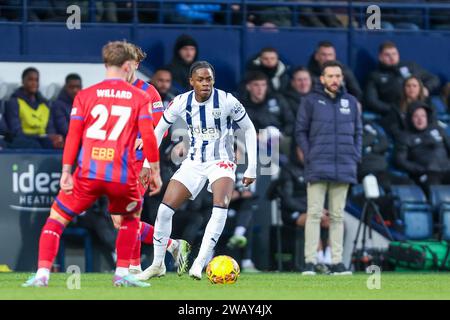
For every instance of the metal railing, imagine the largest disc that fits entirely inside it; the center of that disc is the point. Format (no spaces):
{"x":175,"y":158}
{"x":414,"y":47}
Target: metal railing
{"x":227,"y":12}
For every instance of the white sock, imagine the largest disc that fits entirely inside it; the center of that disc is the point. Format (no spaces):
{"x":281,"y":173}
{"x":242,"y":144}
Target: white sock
{"x":138,"y":267}
{"x":173,"y":246}
{"x":212,"y":234}
{"x":247,"y":263}
{"x":43,"y":272}
{"x":121,"y":271}
{"x":163,"y":228}
{"x":240,"y":231}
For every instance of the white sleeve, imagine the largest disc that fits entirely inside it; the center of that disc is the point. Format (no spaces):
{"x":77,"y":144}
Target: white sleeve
{"x":251,"y":145}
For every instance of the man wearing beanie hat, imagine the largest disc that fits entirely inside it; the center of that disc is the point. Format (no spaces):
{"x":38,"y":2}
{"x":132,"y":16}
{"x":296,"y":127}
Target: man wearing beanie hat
{"x":185,"y":52}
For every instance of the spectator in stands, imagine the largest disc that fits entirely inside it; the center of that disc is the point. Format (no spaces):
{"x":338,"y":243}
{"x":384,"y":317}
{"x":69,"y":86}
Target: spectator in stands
{"x":384,"y":85}
{"x":62,"y":106}
{"x":268,"y":62}
{"x":324,"y":52}
{"x":28,"y":116}
{"x":162,"y":81}
{"x":272,"y":17}
{"x":329,"y":132}
{"x":395,"y":120}
{"x":319,"y":17}
{"x":267,"y":110}
{"x":3,"y":132}
{"x":185,"y":52}
{"x":300,"y":85}
{"x":423,"y":150}
{"x":192,"y":13}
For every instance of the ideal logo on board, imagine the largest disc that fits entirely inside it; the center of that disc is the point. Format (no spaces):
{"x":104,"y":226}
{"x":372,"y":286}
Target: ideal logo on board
{"x":35,"y":190}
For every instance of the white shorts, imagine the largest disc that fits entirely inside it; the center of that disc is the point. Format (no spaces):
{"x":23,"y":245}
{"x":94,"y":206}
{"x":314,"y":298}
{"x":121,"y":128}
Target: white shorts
{"x":193,"y":174}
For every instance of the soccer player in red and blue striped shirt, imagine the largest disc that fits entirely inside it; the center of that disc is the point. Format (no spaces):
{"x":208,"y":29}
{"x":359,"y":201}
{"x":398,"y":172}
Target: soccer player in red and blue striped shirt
{"x":105,"y":121}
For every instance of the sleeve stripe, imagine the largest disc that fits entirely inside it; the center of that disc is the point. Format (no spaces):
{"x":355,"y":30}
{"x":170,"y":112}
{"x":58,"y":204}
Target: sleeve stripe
{"x":241,"y":117}
{"x":165,"y":119}
{"x":145,"y":117}
{"x":77,"y":117}
{"x":158,"y":110}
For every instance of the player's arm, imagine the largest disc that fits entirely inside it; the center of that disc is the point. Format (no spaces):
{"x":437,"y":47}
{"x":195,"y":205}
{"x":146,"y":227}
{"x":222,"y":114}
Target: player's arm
{"x":242,"y":119}
{"x":151,"y":152}
{"x":72,"y":146}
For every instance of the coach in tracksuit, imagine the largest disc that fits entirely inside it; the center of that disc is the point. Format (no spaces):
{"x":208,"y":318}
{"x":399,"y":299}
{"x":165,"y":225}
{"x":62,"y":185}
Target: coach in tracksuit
{"x":329,"y":131}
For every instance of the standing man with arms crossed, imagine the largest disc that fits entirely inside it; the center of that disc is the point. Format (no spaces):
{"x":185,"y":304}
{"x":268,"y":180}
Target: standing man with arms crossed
{"x":105,"y":120}
{"x":329,"y":132}
{"x":209,"y":114}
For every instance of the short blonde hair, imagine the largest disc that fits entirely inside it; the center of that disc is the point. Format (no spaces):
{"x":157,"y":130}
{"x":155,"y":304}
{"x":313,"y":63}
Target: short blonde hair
{"x":116,"y":53}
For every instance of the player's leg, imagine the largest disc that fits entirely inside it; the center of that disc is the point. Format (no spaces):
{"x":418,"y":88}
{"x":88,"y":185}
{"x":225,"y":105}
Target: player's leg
{"x":176,"y":194}
{"x":126,"y":200}
{"x":64,"y":209}
{"x":316,"y":196}
{"x":222,"y":190}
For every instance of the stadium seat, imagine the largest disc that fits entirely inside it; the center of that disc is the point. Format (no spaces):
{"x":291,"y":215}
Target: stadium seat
{"x":414,"y":211}
{"x":418,"y":221}
{"x":440,"y":202}
{"x":79,"y":233}
{"x":439,"y":105}
{"x":409,"y":194}
{"x":445,"y":221}
{"x":370,"y":116}
{"x":439,"y":195}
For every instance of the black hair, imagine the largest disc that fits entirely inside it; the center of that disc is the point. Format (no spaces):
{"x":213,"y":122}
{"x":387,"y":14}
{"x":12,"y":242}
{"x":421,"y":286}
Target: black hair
{"x":298,"y":69}
{"x":324,"y":44}
{"x":255,"y":76}
{"x":386,"y":45}
{"x":162,"y":69}
{"x":27,"y":71}
{"x":268,"y":49}
{"x":72,"y":76}
{"x":332,"y":63}
{"x":199,"y":65}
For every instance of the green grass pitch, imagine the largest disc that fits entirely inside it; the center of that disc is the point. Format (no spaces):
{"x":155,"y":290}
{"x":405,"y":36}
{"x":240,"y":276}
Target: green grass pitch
{"x":273,"y":286}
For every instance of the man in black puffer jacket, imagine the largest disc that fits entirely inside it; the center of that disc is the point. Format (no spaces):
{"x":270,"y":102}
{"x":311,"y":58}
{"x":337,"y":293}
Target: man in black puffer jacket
{"x":423,"y":150}
{"x":385,"y":84}
{"x":329,"y":132}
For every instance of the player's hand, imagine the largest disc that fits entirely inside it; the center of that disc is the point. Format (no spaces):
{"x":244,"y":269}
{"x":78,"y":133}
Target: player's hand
{"x":66,"y":182}
{"x":248,"y":181}
{"x":155,"y":184}
{"x":139,"y":143}
{"x":144,"y":177}
{"x":117,"y":221}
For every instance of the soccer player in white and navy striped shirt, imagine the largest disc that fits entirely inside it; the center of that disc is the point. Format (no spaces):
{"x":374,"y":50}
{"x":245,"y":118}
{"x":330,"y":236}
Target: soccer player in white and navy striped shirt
{"x":209,"y":114}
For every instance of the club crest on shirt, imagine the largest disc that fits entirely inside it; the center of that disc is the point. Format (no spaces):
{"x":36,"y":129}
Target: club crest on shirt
{"x":216,"y":114}
{"x":344,"y":106}
{"x":74,"y":111}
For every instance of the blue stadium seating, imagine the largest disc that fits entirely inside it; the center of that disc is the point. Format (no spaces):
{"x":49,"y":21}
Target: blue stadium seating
{"x":414,"y":211}
{"x":440,"y":202}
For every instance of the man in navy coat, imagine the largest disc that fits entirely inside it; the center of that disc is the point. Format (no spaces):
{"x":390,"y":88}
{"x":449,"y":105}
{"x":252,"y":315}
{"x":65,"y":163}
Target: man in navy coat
{"x":329,"y":132}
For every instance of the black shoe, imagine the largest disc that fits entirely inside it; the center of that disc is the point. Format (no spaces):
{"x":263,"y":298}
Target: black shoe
{"x":340,"y":270}
{"x":309,"y":269}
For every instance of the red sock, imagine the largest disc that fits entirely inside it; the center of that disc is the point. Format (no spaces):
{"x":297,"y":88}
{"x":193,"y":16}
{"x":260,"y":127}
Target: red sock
{"x":126,"y":241}
{"x":49,"y":243}
{"x":136,"y":256}
{"x":146,"y":233}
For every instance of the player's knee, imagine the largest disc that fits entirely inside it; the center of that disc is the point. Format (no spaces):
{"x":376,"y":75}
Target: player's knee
{"x":314,"y":215}
{"x":55,"y":215}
